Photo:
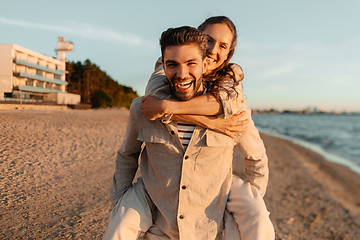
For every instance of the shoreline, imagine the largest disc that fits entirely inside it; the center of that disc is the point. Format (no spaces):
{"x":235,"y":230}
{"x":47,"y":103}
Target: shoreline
{"x":57,"y":168}
{"x":318,"y":198}
{"x":340,"y":180}
{"x":315,"y":148}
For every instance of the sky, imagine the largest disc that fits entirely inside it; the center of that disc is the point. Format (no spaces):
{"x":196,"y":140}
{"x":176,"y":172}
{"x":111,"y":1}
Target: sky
{"x":295,"y":54}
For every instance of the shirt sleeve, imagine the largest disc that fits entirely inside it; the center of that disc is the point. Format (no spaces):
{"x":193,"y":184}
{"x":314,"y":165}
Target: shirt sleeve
{"x":127,"y":156}
{"x":256,"y":160}
{"x":158,"y":86}
{"x":232,"y":100}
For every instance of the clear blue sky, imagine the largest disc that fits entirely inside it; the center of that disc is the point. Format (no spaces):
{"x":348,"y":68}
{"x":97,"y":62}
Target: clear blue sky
{"x":295,"y":54}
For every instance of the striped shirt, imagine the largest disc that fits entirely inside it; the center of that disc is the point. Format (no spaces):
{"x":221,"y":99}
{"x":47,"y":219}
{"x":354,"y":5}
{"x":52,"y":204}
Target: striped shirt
{"x":185,"y":131}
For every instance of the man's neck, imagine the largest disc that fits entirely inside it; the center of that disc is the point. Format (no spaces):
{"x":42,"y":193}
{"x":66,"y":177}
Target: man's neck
{"x":201,"y":91}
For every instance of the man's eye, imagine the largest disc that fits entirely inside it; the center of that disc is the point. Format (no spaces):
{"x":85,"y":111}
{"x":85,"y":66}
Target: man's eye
{"x":191,"y":63}
{"x":223,"y":46}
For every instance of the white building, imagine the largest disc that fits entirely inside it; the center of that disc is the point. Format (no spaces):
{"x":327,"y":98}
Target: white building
{"x":34,"y":76}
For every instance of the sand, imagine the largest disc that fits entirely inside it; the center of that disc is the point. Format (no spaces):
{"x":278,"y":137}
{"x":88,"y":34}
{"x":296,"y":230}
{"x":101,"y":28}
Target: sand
{"x":56,"y":168}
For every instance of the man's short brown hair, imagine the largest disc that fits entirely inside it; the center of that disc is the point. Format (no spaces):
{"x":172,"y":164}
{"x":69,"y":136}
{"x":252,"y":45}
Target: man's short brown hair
{"x":184,"y":35}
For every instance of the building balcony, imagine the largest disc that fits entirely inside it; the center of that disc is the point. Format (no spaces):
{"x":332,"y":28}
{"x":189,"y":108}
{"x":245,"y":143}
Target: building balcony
{"x":27,"y":88}
{"x":40,"y":78}
{"x":37,"y":66}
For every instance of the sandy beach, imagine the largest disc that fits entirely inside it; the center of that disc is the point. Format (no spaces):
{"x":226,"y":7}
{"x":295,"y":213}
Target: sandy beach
{"x":57,"y":165}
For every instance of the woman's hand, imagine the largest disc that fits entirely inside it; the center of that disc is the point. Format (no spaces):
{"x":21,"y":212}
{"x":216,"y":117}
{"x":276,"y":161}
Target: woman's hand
{"x":152,"y":107}
{"x":229,"y":126}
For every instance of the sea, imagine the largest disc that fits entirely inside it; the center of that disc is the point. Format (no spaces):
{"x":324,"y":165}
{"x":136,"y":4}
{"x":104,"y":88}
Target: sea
{"x":334,"y":136}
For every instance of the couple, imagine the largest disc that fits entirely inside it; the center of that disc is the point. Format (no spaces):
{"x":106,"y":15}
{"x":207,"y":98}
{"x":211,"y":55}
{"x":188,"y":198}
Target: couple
{"x":187,"y":189}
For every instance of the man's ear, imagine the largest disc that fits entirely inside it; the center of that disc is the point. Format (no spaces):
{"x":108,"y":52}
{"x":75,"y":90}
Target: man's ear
{"x":205,"y":65}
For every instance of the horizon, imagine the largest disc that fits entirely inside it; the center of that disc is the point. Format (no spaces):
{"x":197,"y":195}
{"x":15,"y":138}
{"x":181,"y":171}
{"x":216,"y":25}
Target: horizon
{"x":294,"y":55}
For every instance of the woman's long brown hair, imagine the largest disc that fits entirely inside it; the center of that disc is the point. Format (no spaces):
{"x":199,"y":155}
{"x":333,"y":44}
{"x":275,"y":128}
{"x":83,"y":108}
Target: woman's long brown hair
{"x":224,"y":73}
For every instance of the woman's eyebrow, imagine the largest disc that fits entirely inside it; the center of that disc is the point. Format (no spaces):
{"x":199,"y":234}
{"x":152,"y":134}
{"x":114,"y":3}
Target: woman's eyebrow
{"x":208,"y":36}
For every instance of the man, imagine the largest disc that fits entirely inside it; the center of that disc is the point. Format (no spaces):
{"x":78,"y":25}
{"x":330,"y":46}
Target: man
{"x":184,"y":187}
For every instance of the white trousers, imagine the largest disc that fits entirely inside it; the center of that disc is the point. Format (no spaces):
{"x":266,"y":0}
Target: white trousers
{"x":248,"y":209}
{"x":246,"y":216}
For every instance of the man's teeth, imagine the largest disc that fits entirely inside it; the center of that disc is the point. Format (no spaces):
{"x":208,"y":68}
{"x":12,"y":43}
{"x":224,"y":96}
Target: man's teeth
{"x":211,"y":60}
{"x":184,"y":84}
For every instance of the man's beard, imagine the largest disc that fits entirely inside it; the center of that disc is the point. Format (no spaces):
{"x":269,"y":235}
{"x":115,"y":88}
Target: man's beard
{"x":185,"y":96}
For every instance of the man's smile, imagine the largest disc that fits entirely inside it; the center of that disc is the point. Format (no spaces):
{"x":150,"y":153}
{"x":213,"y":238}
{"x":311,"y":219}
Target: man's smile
{"x":184,"y":85}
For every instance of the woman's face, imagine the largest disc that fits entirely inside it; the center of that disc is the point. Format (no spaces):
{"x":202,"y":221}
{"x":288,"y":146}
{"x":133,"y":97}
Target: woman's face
{"x":219,"y":42}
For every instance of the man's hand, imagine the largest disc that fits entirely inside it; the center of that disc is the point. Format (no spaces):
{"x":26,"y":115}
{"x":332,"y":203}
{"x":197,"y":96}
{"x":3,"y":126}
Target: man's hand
{"x":152,"y":107}
{"x":229,"y":126}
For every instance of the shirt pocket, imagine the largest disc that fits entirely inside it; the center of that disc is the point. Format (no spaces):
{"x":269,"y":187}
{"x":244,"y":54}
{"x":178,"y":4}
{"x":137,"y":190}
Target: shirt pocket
{"x":160,"y":151}
{"x":215,"y":156}
{"x":154,"y":135}
{"x":215,"y":139}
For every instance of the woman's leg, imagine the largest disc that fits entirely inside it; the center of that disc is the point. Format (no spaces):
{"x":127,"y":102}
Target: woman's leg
{"x":131,"y":215}
{"x":249,"y":211}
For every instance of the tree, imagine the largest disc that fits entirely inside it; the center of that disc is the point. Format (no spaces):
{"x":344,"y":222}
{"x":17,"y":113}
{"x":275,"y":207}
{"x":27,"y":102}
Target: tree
{"x":96,"y":87}
{"x":101,"y":99}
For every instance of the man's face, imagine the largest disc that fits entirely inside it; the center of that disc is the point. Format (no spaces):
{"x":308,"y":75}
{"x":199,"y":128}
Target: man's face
{"x":184,"y":68}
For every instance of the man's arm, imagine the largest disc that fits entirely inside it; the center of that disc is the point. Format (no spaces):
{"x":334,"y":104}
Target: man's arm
{"x":127,"y":156}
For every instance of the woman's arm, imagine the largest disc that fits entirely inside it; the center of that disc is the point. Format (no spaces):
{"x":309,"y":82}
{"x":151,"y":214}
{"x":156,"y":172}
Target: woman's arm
{"x":229,"y":126}
{"x":233,"y":100}
{"x":207,"y":104}
{"x":157,"y":86}
{"x":153,"y":107}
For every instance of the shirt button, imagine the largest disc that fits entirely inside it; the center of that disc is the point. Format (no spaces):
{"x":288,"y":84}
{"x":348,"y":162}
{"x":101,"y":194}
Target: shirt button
{"x":172,"y":132}
{"x":183,"y":187}
{"x":186,"y":157}
{"x":181,"y":216}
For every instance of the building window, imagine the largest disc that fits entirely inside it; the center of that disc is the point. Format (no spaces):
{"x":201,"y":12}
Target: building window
{"x":49,"y":85}
{"x":29,"y":83}
{"x":57,"y":87}
{"x":56,"y":76}
{"x":39,"y":72}
{"x":39,"y":84}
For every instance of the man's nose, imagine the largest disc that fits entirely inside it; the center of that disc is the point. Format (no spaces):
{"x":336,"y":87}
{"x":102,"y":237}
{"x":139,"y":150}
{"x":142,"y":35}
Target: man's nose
{"x":182,"y":72}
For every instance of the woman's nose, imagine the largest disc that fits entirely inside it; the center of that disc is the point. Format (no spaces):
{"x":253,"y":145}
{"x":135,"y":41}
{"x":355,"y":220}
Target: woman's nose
{"x":211,"y":48}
